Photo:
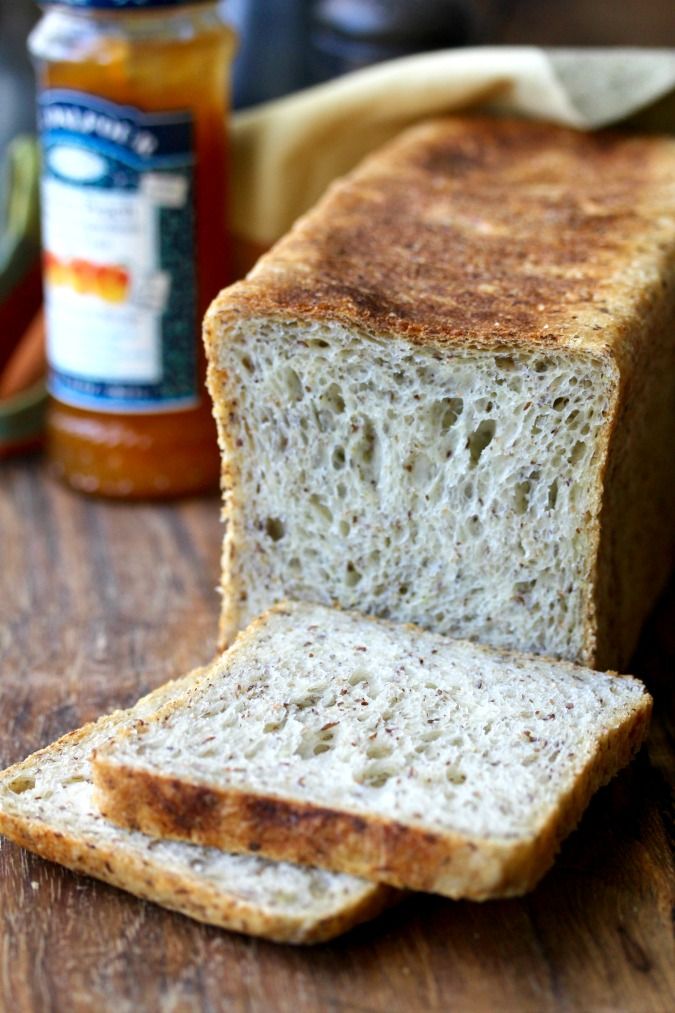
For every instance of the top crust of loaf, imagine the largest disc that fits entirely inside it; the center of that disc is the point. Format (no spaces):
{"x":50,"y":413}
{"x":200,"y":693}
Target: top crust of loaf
{"x":481,"y":231}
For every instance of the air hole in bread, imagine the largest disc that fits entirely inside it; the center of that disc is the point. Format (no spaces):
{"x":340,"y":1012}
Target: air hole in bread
{"x":455,"y":775}
{"x":379,"y":751}
{"x":338,"y":461}
{"x":449,"y":409}
{"x":375,"y":776}
{"x":334,"y":399}
{"x":352,"y":576}
{"x":306,"y":701}
{"x":21,"y":784}
{"x":274,"y":527}
{"x":274,"y":726}
{"x":293,"y":384}
{"x":315,"y":743}
{"x":522,"y":497}
{"x":577,"y":452}
{"x":358,"y":677}
{"x":480,"y":438}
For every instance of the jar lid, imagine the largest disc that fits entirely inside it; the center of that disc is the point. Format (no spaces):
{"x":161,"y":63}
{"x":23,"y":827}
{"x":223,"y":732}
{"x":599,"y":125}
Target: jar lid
{"x":118,"y":5}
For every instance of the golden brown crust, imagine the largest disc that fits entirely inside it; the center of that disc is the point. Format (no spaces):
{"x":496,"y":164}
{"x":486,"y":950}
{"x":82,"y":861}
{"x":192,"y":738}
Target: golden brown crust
{"x":383,"y":851}
{"x":636,"y":551}
{"x":232,"y":512}
{"x":188,"y":895}
{"x":484,"y":232}
{"x":411,"y":857}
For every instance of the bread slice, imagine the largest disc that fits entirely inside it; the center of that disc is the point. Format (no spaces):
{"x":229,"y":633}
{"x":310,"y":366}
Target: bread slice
{"x":328,"y":738}
{"x":46,"y":806}
{"x":446,"y":397}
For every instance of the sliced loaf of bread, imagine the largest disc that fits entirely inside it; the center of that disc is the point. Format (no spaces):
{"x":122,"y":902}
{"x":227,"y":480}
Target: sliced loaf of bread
{"x":46,"y":806}
{"x":332,"y":739}
{"x":446,"y":397}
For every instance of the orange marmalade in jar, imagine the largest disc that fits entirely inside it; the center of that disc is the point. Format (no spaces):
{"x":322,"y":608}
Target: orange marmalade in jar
{"x":132,"y":105}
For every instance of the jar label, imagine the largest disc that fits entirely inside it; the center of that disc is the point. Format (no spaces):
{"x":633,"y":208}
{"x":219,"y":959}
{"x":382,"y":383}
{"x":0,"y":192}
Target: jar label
{"x":118,"y":233}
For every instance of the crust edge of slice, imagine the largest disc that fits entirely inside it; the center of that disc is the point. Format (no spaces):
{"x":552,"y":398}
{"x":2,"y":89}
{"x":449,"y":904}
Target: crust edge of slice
{"x":404,"y":856}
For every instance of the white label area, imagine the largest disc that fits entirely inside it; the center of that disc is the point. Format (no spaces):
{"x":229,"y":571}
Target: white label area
{"x":119,"y":235}
{"x":100,"y":265}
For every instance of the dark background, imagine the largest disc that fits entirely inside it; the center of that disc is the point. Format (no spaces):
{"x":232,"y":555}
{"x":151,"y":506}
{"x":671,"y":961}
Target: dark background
{"x":276,"y":50}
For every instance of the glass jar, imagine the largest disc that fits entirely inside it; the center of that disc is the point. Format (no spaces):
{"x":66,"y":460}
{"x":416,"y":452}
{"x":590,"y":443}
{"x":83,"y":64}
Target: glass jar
{"x":132,"y":104}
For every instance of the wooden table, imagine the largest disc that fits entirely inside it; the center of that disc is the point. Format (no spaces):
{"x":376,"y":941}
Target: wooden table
{"x":99,"y":602}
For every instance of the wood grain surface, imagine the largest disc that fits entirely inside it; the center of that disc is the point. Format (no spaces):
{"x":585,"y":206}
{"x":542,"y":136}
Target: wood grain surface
{"x":100,"y":602}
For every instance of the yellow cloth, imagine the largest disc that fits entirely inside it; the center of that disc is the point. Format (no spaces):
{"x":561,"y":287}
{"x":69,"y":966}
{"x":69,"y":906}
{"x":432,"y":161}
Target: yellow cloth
{"x":286,"y":152}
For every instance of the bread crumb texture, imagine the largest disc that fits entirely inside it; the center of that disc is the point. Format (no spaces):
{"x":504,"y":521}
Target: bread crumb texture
{"x":440,"y":490}
{"x":381,"y":723}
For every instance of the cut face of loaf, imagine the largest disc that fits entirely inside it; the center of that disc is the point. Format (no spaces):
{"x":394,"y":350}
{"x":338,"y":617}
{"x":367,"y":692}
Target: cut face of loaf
{"x":448,"y":396}
{"x":333,"y":739}
{"x":46,"y":805}
{"x":442,"y":489}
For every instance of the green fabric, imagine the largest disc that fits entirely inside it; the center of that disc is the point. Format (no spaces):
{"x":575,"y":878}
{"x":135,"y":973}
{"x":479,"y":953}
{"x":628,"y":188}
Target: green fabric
{"x":19,"y":212}
{"x":22,"y":416}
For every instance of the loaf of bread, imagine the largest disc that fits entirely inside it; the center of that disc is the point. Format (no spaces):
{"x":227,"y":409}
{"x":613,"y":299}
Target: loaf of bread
{"x":448,"y":395}
{"x":332,"y":739}
{"x":46,"y":806}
